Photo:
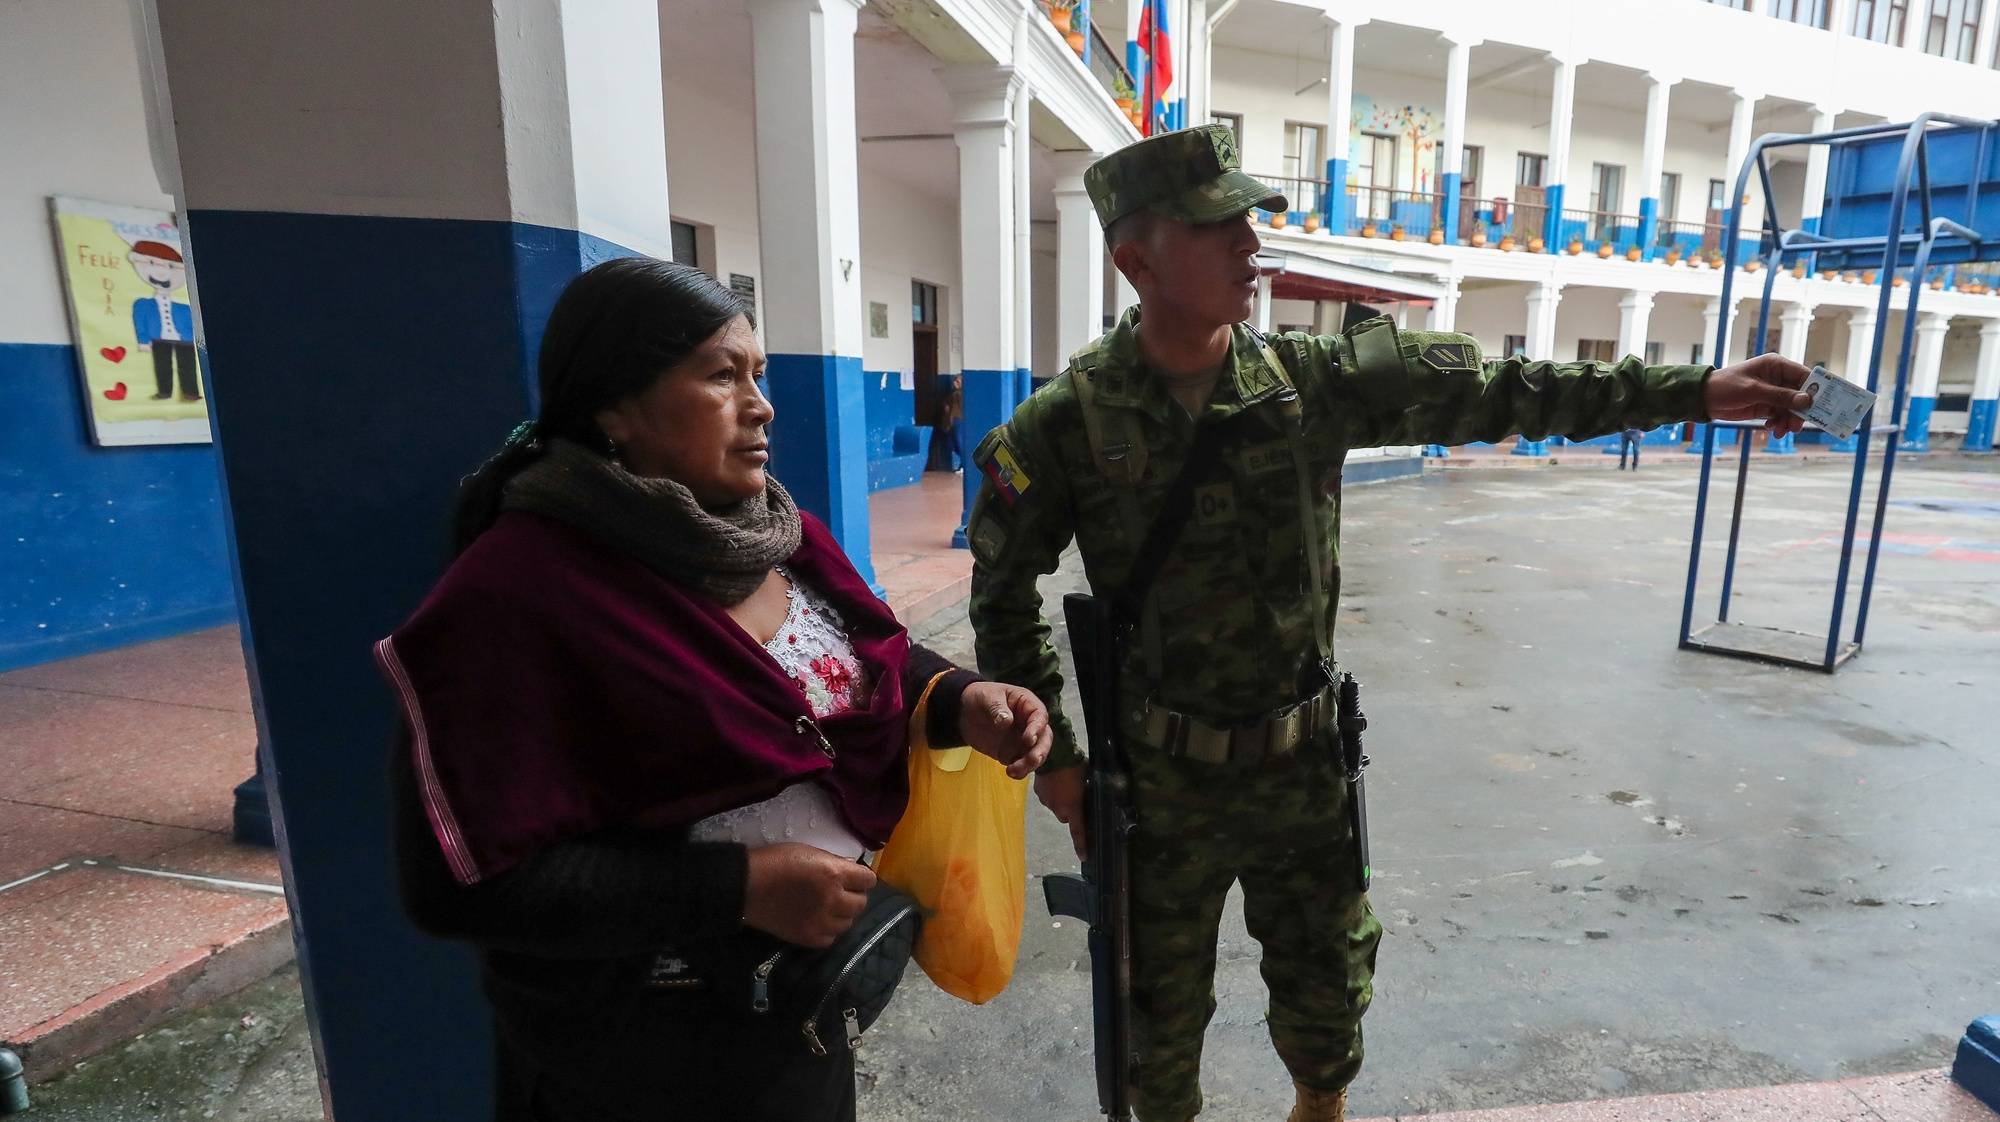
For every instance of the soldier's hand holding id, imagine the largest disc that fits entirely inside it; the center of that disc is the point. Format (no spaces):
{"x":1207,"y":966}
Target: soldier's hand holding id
{"x":1766,"y":388}
{"x":1007,"y":723}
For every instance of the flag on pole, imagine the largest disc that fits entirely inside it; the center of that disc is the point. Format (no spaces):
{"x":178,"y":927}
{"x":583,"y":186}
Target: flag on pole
{"x":1153,"y":39}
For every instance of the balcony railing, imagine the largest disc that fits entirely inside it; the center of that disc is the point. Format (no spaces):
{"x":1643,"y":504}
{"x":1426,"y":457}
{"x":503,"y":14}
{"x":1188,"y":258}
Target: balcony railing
{"x":1108,"y":67}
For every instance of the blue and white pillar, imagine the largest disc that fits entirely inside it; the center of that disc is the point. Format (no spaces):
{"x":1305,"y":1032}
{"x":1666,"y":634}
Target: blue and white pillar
{"x":1811,"y":206}
{"x":1337,"y":209}
{"x":1742,"y":120}
{"x":1794,"y":325}
{"x":1931,"y":329}
{"x":1860,"y":347}
{"x":1458,"y":63}
{"x":1562,"y":117}
{"x":1985,"y":391}
{"x":1543,"y":299}
{"x":1652,"y":164}
{"x":382,"y":201}
{"x":1711,"y":324}
{"x":1024,"y":253}
{"x":983,"y":125}
{"x":809,"y":246}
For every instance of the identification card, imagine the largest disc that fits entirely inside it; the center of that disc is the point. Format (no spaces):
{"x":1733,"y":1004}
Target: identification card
{"x":1838,"y":405}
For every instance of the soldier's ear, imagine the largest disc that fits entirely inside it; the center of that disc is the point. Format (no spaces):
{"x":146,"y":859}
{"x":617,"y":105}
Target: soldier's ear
{"x":1130,"y":258}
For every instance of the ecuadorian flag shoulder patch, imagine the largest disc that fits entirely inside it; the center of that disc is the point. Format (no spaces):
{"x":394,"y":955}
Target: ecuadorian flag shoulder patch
{"x":1003,"y":469}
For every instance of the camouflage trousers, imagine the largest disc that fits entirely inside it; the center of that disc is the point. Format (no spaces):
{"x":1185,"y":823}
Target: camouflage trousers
{"x":1282,"y":829}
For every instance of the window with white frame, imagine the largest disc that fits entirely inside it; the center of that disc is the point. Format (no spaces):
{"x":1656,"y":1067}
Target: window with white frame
{"x":1473,"y":162}
{"x":1670,"y":195}
{"x":1951,"y":29}
{"x":687,"y":243}
{"x":1305,"y":161}
{"x":1812,"y":13}
{"x":1880,"y":20}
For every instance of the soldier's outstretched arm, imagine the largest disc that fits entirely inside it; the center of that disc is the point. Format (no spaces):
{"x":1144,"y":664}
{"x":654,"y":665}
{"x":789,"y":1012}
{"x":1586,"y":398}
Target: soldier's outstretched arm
{"x":1425,"y":387}
{"x":1019,"y":527}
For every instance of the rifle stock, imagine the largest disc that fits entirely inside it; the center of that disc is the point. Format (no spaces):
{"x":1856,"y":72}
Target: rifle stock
{"x":1100,"y":897}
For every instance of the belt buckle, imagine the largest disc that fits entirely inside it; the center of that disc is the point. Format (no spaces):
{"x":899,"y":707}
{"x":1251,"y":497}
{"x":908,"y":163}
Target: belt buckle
{"x":1285,"y":731}
{"x":1205,"y":743}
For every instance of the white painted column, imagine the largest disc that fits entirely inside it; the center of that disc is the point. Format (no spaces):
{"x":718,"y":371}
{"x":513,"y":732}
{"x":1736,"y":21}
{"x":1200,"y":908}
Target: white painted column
{"x":1758,"y":7}
{"x":1840,"y":14}
{"x":1451,"y":173}
{"x":1711,"y":322}
{"x":1816,"y":167}
{"x":1197,"y":71}
{"x":1931,"y":329}
{"x":1562,"y":117}
{"x":1542,"y":301}
{"x":1982,"y":45}
{"x":1979,"y":429}
{"x":809,"y":246}
{"x":1339,"y":208}
{"x":1794,"y":325}
{"x":1024,"y":252}
{"x":1635,"y":316}
{"x":1653,"y":162}
{"x":1444,"y":314}
{"x":983,"y":125}
{"x":1860,"y":348}
{"x":1079,"y":257}
{"x":1742,"y":120}
{"x":1262,"y":321}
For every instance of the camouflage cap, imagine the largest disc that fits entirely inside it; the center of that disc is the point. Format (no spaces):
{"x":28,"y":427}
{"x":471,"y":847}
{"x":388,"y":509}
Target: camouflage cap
{"x":1191,"y":175}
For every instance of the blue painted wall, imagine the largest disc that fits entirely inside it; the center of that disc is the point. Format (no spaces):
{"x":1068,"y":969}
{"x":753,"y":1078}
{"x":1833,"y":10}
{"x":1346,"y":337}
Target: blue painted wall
{"x":889,"y":405}
{"x":102,"y":546}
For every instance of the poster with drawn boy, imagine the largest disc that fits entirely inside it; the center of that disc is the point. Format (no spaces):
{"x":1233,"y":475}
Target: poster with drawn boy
{"x":126,"y":277}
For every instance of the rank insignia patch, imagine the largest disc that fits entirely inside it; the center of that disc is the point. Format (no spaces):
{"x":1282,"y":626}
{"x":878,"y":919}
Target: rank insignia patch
{"x":1451,"y":358}
{"x":1005,"y":473}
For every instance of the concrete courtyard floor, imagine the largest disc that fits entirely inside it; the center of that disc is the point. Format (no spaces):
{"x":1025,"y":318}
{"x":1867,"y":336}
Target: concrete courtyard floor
{"x":1606,"y":868}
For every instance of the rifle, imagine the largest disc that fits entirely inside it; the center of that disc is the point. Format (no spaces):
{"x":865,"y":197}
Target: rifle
{"x":1354,"y":762}
{"x":1100,"y":897}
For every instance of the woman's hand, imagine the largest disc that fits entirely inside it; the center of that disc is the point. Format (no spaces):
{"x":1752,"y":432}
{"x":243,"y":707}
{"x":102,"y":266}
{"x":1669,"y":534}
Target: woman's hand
{"x":803,"y":894}
{"x":1007,"y":723}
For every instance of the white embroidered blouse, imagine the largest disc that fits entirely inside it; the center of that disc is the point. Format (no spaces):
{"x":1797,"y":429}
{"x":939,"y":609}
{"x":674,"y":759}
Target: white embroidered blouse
{"x":813,"y":649}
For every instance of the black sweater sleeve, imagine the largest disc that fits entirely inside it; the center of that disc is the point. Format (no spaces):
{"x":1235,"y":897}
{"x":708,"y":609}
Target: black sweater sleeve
{"x":604,"y":896}
{"x":941,"y":726}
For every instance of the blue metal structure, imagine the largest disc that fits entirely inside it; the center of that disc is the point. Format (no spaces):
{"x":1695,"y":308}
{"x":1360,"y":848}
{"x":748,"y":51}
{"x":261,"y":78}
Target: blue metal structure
{"x":1939,"y":163}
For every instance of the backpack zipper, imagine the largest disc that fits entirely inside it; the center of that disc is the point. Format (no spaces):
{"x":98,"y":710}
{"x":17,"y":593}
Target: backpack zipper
{"x":811,"y":1028}
{"x":760,"y":984}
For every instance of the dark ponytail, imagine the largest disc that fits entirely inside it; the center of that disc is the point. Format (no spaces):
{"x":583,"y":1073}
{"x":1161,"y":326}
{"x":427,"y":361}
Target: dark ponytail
{"x":615,"y":330}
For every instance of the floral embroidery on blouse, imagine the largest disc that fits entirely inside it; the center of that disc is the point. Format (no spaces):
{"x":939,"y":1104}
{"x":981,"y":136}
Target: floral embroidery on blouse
{"x":813,"y":649}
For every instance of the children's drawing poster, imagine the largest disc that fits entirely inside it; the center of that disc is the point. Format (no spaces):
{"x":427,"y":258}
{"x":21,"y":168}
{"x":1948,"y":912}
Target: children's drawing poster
{"x":125,"y":272}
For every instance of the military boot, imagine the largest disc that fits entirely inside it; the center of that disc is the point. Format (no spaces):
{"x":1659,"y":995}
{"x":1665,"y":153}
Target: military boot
{"x":1319,"y":1106}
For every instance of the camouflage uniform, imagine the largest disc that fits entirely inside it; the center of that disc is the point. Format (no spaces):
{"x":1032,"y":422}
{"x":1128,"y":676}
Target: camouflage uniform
{"x":1236,"y":633}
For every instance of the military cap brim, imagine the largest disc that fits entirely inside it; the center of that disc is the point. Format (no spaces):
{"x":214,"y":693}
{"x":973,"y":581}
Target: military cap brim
{"x":1230,"y":195}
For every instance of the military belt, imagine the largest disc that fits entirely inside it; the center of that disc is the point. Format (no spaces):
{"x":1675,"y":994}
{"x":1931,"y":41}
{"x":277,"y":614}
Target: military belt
{"x":1278,"y":733}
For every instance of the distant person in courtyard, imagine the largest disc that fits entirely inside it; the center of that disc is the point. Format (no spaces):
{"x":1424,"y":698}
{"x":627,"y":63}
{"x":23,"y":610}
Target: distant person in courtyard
{"x":1227,"y":712}
{"x":1628,"y":444}
{"x":654,"y":721}
{"x":946,"y":431}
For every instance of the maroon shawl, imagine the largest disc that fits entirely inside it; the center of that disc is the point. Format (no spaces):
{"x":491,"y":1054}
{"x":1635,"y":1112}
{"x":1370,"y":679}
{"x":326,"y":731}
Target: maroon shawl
{"x":553,"y":687}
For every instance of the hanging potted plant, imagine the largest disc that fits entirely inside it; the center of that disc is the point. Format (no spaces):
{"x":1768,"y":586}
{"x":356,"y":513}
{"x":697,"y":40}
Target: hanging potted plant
{"x":1479,"y":236}
{"x":1633,"y":253}
{"x":1436,"y":236}
{"x":1395,"y":231}
{"x":1575,"y":246}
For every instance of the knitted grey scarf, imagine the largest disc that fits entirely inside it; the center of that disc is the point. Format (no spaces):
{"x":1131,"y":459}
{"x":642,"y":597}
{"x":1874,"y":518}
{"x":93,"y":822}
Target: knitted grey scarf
{"x":724,"y":554}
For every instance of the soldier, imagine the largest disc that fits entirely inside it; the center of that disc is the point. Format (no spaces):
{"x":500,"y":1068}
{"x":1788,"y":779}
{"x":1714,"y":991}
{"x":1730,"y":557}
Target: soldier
{"x":1226,"y":680}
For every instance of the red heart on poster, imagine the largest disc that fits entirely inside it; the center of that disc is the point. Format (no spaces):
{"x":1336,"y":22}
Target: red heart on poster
{"x":116,"y":393}
{"x":115,"y":354}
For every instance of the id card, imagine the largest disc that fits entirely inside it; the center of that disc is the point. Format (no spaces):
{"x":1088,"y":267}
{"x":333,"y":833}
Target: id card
{"x":1837,"y":405}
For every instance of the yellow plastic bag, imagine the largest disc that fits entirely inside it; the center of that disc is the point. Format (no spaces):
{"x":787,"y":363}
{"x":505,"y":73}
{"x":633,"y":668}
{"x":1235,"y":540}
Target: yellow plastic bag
{"x":959,"y":851}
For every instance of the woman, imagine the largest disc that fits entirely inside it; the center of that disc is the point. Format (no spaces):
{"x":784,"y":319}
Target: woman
{"x":653,"y":719}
